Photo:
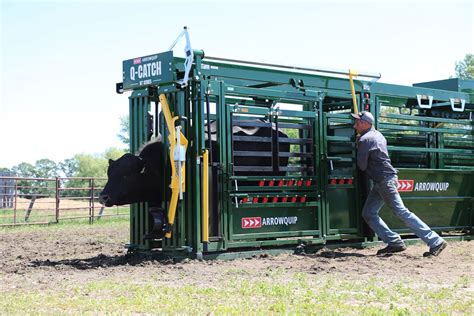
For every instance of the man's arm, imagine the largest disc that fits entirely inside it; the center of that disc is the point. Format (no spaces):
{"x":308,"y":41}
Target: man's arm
{"x":363,"y":151}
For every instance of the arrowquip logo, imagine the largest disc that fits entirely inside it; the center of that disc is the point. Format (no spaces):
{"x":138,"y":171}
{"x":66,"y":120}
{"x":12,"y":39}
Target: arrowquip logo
{"x":258,"y":222}
{"x":432,"y":186}
{"x":410,"y":186}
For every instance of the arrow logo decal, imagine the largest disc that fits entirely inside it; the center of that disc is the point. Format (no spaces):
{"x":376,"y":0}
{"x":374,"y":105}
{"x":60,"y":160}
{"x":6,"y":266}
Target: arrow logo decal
{"x":251,"y":222}
{"x":405,"y":185}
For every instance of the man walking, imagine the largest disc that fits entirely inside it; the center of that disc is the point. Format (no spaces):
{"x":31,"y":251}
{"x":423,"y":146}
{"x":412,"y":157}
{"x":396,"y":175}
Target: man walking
{"x":372,"y":157}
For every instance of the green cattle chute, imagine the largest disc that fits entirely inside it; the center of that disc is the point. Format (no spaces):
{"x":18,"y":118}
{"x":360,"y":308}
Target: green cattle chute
{"x":311,"y":194}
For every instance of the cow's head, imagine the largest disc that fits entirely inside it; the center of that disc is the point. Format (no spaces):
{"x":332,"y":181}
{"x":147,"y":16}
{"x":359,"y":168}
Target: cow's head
{"x":126,"y":181}
{"x":134,"y":179}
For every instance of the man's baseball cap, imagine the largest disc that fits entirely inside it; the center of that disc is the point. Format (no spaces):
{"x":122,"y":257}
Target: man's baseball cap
{"x":364,"y":116}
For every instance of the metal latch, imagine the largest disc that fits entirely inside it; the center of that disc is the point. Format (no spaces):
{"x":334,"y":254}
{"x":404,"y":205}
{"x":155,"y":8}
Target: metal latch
{"x":420,"y":97}
{"x":457,"y":101}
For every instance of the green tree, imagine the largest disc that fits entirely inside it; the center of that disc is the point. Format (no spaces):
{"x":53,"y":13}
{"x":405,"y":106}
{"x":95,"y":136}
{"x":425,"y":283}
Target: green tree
{"x":26,"y":188}
{"x":88,"y":165}
{"x":5,"y":172}
{"x":123,"y":135}
{"x":68,"y":167}
{"x":24,"y":170}
{"x":85,"y":165}
{"x":113,"y":153}
{"x":95,"y":165}
{"x":465,"y":68}
{"x":46,"y":168}
{"x":43,"y":168}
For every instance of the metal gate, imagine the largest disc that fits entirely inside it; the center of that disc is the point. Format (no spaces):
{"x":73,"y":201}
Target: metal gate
{"x":342,"y":195}
{"x":272,"y":185}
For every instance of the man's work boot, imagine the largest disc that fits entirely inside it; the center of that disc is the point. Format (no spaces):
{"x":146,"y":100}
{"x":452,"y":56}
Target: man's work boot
{"x":391,"y":249}
{"x":436,"y":250}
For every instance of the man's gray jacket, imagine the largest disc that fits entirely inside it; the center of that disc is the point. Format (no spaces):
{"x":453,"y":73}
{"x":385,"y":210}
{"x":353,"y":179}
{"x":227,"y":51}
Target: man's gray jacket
{"x":372,"y":155}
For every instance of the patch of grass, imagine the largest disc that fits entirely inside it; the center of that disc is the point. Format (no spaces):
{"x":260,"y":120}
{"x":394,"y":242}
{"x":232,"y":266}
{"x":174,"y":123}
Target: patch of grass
{"x":304,"y":294}
{"x":464,"y":281}
{"x":461,"y":251}
{"x":67,"y":224}
{"x":235,"y":271}
{"x":7,"y":216}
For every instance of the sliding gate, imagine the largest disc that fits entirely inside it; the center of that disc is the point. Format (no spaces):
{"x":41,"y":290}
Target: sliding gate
{"x":271,"y":189}
{"x":343,"y":183}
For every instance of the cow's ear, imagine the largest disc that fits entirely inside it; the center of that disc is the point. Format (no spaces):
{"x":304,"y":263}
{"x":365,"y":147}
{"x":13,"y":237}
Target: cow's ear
{"x":111,"y":161}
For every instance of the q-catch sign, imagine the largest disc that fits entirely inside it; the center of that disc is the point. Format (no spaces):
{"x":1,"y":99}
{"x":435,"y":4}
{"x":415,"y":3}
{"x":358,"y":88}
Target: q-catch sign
{"x":147,"y":70}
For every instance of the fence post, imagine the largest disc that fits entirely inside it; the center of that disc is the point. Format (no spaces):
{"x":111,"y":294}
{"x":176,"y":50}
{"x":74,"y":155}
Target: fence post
{"x":58,"y":186}
{"x":30,"y":207}
{"x":91,"y":201}
{"x":16,"y":196}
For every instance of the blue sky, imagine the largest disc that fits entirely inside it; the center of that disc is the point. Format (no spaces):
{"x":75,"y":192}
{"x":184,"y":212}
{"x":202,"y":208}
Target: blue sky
{"x":60,"y":60}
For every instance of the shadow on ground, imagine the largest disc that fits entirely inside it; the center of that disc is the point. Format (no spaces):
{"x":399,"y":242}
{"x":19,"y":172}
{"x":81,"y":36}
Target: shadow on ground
{"x":104,"y":261}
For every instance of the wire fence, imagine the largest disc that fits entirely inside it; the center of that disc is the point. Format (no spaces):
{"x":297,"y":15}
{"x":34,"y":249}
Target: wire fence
{"x":27,"y":201}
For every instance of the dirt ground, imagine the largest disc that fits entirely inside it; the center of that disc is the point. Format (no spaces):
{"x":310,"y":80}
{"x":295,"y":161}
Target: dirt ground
{"x":42,"y":258}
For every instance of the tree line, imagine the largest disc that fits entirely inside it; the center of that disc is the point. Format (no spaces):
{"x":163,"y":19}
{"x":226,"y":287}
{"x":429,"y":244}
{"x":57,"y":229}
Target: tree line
{"x":80,"y":165}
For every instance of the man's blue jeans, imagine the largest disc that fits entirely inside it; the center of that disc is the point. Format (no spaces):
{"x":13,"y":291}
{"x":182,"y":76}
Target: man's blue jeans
{"x":386,"y":192}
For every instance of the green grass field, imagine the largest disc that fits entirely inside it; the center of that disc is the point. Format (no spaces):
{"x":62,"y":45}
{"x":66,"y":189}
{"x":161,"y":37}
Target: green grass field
{"x":42,"y":277}
{"x":234,"y":295}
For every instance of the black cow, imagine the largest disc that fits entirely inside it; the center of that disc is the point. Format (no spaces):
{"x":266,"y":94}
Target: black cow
{"x":244,"y":159}
{"x":133,"y":179}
